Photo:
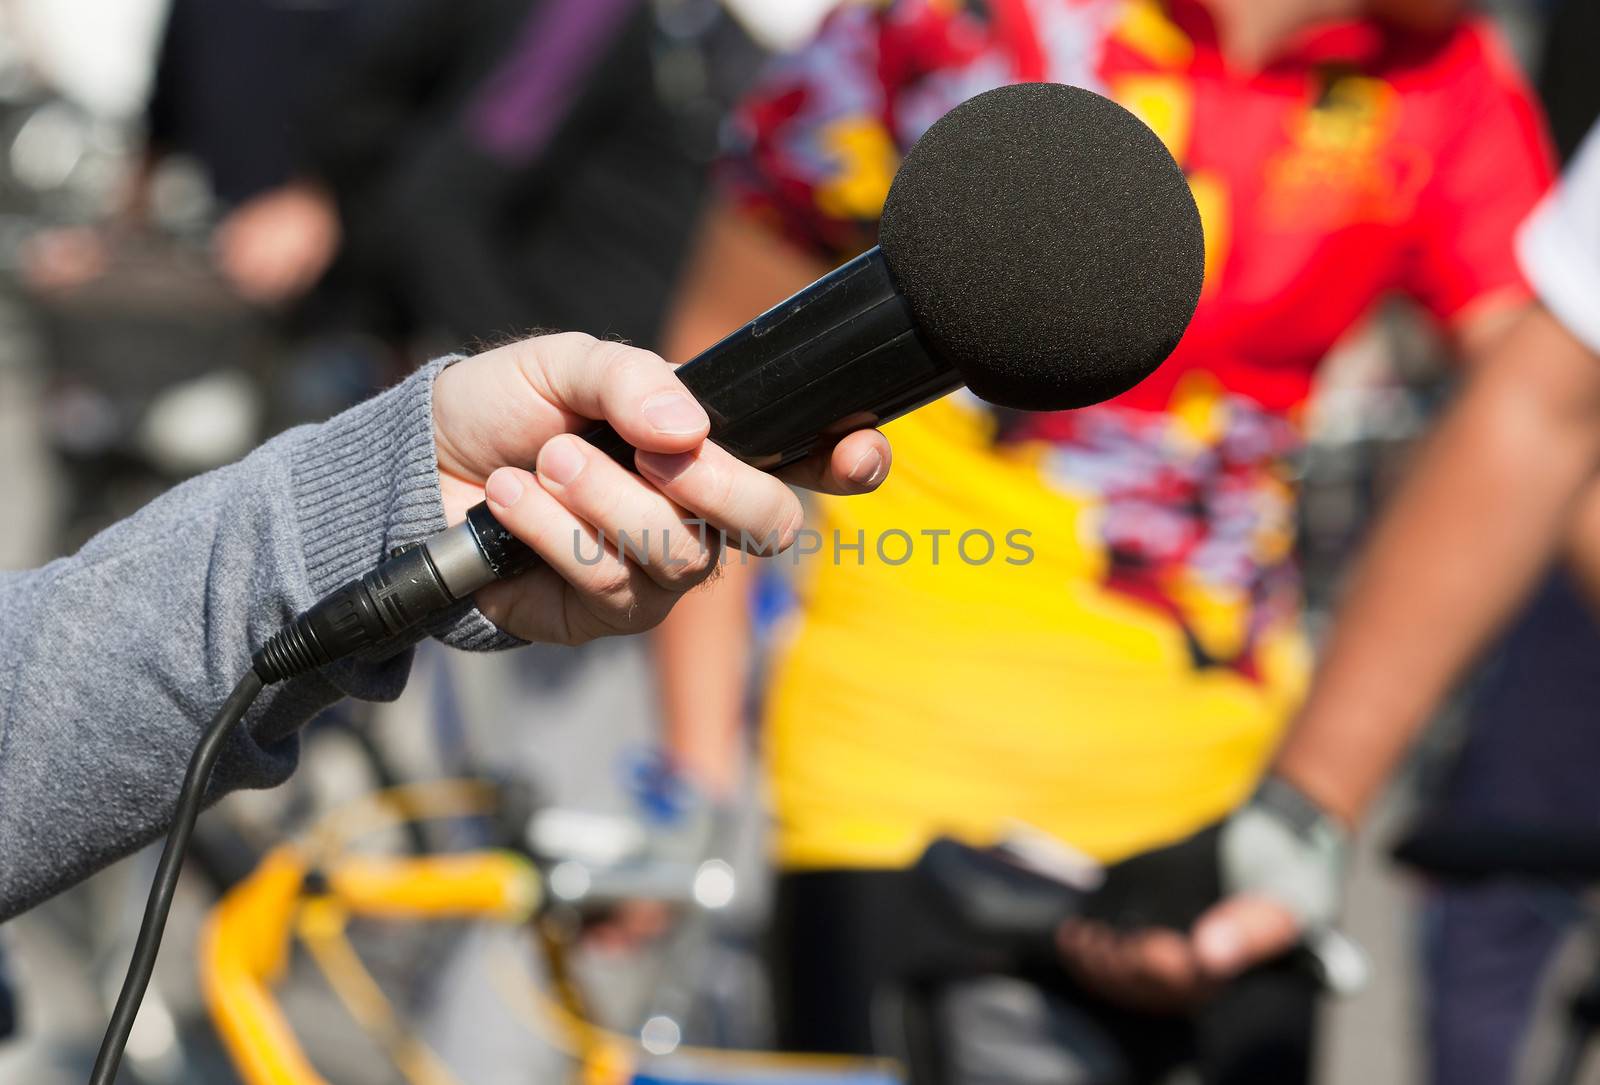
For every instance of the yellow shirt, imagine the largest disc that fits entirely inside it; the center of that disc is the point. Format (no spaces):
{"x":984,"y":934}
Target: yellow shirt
{"x":942,"y":696}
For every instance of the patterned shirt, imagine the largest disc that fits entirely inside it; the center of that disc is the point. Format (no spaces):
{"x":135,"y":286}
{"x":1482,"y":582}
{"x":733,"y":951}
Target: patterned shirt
{"x":1118,"y":670}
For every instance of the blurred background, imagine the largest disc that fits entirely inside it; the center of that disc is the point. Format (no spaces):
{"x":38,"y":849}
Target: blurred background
{"x":222,"y":218}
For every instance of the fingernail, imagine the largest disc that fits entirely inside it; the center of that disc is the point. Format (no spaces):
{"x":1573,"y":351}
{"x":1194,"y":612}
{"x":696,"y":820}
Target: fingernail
{"x":675,"y":414}
{"x":504,"y":487}
{"x":868,"y":469}
{"x":664,"y":466}
{"x":561,"y":461}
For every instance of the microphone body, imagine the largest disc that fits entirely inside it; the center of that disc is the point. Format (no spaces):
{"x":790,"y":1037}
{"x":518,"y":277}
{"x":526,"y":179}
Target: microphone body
{"x":842,"y":354}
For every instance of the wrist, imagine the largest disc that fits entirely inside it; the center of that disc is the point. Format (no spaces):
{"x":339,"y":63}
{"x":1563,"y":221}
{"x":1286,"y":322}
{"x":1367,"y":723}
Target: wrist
{"x":1321,"y":784}
{"x":367,"y":482}
{"x":1284,"y":845}
{"x":715,"y":776}
{"x":1299,"y":811}
{"x":707,"y":750}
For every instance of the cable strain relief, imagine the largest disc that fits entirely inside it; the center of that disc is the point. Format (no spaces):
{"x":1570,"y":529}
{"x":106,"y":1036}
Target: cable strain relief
{"x":287,"y":654}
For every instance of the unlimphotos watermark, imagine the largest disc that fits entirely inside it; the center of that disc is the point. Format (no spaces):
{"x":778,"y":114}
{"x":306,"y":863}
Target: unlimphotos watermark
{"x":894,"y":546}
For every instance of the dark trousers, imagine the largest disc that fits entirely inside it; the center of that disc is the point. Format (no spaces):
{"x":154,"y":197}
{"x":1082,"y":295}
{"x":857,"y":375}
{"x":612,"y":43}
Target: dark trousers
{"x":1531,"y":757}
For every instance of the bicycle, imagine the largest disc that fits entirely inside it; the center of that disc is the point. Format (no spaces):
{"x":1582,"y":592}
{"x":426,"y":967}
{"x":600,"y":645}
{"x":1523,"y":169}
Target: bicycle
{"x":308,"y":891}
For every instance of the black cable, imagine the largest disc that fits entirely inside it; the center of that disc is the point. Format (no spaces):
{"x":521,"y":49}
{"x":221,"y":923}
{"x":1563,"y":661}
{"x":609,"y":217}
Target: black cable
{"x":386,"y":603}
{"x":190,"y":799}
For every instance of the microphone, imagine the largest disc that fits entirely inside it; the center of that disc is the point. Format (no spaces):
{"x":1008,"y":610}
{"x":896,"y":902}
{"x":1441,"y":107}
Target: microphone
{"x":1038,"y":245}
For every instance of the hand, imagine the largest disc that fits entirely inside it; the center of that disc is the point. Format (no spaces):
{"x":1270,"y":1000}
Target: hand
{"x":629,"y":927}
{"x":1281,"y":858}
{"x":64,"y":258}
{"x":1157,"y":970}
{"x":274,"y":247}
{"x":522,"y":403}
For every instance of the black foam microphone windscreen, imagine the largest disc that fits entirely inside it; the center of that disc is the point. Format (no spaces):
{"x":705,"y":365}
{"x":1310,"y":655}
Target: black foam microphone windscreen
{"x":1048,"y":245}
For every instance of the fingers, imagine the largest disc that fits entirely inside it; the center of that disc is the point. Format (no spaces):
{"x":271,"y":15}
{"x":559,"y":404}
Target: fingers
{"x":502,"y":406}
{"x":1160,"y":970}
{"x":586,"y":589}
{"x":622,"y":550}
{"x":632,"y":389}
{"x":619,"y":547}
{"x":857,"y":464}
{"x":635,"y":518}
{"x":755,"y":510}
{"x":1151,"y":970}
{"x":1242,"y":932}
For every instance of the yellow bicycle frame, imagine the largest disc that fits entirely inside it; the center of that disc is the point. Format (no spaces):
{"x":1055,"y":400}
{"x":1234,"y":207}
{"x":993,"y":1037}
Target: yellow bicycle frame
{"x":246,"y":940}
{"x":244,"y":945}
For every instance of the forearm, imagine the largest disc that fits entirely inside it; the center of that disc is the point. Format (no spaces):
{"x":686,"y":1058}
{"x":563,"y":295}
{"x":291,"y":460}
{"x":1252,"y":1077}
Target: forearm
{"x":702,"y":659}
{"x":1478,"y":519}
{"x":112,"y":660}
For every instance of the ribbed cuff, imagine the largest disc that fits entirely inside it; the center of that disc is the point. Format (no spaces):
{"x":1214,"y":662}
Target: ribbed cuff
{"x":366,"y":482}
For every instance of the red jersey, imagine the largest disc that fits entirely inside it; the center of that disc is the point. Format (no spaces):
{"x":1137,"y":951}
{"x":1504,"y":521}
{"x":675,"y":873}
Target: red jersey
{"x":1360,"y":161}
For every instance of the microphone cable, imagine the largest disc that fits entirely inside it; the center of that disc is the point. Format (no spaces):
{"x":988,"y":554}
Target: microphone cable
{"x":154,"y":924}
{"x":388,"y":602}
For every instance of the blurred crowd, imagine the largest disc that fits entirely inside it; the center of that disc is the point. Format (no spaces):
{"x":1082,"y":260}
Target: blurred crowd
{"x":222,"y":218}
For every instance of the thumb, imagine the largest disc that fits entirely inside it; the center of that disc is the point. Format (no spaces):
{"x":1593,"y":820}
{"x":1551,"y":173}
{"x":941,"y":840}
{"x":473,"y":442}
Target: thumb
{"x":1241,"y":932}
{"x":635,"y":391}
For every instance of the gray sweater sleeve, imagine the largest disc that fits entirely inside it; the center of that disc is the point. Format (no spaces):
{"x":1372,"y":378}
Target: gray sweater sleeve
{"x":113,"y":660}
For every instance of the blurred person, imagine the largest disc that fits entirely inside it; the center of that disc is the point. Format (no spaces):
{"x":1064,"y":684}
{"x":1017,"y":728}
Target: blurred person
{"x":233,"y":87}
{"x":502,"y":165}
{"x":232,"y":84}
{"x":1501,"y":491}
{"x":1123,"y":689}
{"x":177,"y":324}
{"x":1530,"y":750}
{"x":113,"y":658}
{"x":1529,"y":757}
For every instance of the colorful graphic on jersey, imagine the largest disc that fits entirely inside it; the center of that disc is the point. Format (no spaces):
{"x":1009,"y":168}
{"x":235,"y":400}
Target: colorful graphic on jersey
{"x":1194,"y":509}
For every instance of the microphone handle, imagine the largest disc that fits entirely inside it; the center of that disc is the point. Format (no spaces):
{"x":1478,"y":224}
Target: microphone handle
{"x":842,"y":354}
{"x":504,"y":553}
